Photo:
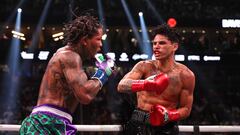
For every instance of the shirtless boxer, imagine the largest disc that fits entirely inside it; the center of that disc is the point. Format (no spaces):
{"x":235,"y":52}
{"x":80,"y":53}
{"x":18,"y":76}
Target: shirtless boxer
{"x":163,"y":86}
{"x":65,"y":84}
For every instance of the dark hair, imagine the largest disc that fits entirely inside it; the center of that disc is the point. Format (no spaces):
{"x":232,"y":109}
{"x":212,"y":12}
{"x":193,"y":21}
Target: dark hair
{"x":81,"y":26}
{"x":165,"y":30}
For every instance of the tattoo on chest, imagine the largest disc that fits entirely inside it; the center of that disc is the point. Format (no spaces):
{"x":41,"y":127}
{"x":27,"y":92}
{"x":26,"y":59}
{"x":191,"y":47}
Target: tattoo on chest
{"x":175,"y":81}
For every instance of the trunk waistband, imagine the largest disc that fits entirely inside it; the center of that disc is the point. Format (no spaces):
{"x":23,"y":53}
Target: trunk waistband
{"x":140,"y":116}
{"x":52,"y":110}
{"x":143,"y":117}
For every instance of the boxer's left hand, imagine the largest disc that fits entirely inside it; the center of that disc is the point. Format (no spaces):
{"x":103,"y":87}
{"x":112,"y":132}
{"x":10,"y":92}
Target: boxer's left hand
{"x":159,"y":115}
{"x":105,"y":63}
{"x":106,"y":68}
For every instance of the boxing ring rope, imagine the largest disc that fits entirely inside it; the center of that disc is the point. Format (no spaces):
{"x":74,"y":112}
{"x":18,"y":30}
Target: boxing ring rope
{"x":116,"y":128}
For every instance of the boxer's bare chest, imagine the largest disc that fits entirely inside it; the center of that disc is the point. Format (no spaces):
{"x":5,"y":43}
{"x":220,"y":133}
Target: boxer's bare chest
{"x":169,"y":97}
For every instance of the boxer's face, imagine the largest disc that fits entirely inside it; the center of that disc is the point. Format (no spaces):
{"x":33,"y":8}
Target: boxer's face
{"x":94,"y":44}
{"x":162,"y":47}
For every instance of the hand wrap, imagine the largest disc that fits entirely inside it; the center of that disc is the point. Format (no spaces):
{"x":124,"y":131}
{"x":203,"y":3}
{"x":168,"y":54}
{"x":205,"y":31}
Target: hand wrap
{"x":105,"y":69}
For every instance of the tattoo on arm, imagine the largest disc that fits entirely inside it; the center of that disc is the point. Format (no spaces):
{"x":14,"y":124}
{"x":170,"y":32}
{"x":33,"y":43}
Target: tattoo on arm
{"x":126,"y":85}
{"x":90,"y":88}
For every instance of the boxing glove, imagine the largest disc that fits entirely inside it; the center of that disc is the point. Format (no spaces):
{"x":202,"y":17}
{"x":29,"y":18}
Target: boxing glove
{"x":159,"y":83}
{"x":105,"y":68}
{"x":159,"y":115}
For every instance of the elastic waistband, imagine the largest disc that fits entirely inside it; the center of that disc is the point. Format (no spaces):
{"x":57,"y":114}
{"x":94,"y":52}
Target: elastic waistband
{"x":52,"y":110}
{"x":143,"y":117}
{"x":140,"y":116}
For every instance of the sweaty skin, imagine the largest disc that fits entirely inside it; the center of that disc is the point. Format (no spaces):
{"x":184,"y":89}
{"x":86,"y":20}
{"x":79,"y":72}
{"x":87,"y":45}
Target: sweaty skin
{"x":65,"y":83}
{"x":179,"y":93}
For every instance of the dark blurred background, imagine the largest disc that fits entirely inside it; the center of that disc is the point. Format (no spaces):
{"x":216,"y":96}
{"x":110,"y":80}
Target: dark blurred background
{"x":199,"y":23}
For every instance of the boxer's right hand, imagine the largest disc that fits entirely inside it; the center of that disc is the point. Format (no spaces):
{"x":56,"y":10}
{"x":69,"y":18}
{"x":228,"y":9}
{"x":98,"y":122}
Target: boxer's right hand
{"x":159,"y":83}
{"x":105,"y":69}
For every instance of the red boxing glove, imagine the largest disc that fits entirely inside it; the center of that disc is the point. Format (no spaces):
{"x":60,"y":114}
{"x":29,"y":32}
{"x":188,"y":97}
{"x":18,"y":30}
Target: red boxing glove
{"x":159,"y":115}
{"x":158,"y":84}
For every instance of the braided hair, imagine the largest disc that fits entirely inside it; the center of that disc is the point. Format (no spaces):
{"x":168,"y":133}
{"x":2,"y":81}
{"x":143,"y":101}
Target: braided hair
{"x":82,"y":26}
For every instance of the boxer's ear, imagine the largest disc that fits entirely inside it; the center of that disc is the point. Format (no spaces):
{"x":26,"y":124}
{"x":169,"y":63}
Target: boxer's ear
{"x":83,"y":40}
{"x":175,"y":45}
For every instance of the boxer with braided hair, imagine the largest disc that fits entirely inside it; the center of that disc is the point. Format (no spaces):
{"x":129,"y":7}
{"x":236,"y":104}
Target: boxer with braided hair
{"x":65,"y":84}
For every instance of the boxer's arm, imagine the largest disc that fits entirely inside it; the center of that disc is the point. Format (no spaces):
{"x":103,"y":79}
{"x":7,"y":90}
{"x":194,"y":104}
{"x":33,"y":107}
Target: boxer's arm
{"x":132,"y":81}
{"x":186,"y":95}
{"x":84,"y":90}
{"x":125,"y":85}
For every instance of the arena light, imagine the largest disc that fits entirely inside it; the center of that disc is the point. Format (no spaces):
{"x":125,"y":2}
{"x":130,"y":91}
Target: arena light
{"x":211,"y":58}
{"x":172,"y":22}
{"x":140,"y":14}
{"x":131,"y":22}
{"x":179,"y":57}
{"x":136,"y":57}
{"x":231,"y":23}
{"x":58,"y":36}
{"x":23,"y":38}
{"x":17,"y":33}
{"x":140,"y":56}
{"x":43,"y":55}
{"x":19,"y":10}
{"x":124,"y":57}
{"x":27,"y":56}
{"x":56,"y":39}
{"x":11,"y":16}
{"x":144,"y":56}
{"x":145,"y":45}
{"x":104,"y":36}
{"x":193,"y":58}
{"x":11,"y":81}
